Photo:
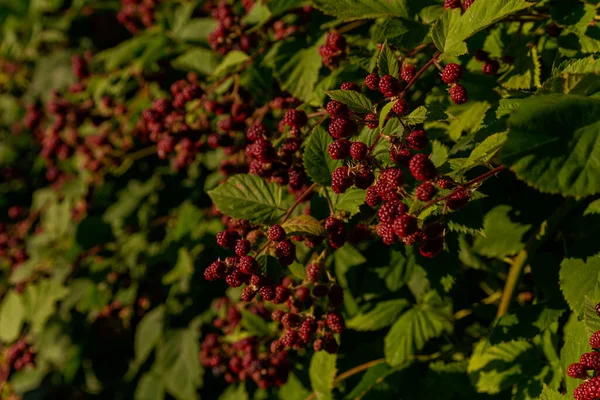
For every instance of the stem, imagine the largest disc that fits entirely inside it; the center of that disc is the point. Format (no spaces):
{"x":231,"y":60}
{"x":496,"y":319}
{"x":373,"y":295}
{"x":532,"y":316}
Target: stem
{"x":298,"y":201}
{"x":148,"y":151}
{"x":536,"y":240}
{"x":419,"y":73}
{"x":350,"y":26}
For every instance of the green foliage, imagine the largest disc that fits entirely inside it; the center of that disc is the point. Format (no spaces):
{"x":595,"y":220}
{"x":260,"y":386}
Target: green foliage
{"x":322,"y":372}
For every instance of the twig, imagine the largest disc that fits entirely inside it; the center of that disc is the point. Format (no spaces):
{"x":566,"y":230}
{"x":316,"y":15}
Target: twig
{"x":419,"y":73}
{"x":350,"y":26}
{"x":298,"y":201}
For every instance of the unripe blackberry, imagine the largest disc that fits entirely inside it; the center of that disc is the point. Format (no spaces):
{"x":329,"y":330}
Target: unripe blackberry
{"x":431,"y":248}
{"x":295,"y":118}
{"x":297,"y":177}
{"x":452,"y":73}
{"x":313,"y":272}
{"x":267,"y":292}
{"x":248,"y":294}
{"x":413,"y":239}
{"x":257,"y":280}
{"x":371,"y":121}
{"x":389,"y":86}
{"x":319,"y":344}
{"x":290,"y":338}
{"x":421,"y":167}
{"x":285,"y":252}
{"x":232,"y":262}
{"x":307,"y":329}
{"x":364,"y":177}
{"x":248,"y":265}
{"x":290,"y":320}
{"x":302,"y":294}
{"x":451,"y":4}
{"x":434,"y":230}
{"x":467,"y":4}
{"x":372,"y":81}
{"x":341,"y":180}
{"x":481,"y":55}
{"x":320,"y":291}
{"x":339,"y":149}
{"x":276,"y":346}
{"x":276,"y":315}
{"x":373,"y":198}
{"x":276,"y":233}
{"x":282,"y":294}
{"x":358,"y":150}
{"x":235,"y":278}
{"x":350,"y":86}
{"x":389,"y":182}
{"x":417,"y":139}
{"x":458,"y":200}
{"x":400,"y":155}
{"x":228,"y":238}
{"x":400,"y":107}
{"x":390,"y":210}
{"x":336,"y":296}
{"x":445,"y":183}
{"x":405,"y":225}
{"x":577,"y":371}
{"x":425,"y":191}
{"x":337,"y":109}
{"x":386,"y":231}
{"x":408,"y":72}
{"x":597,"y":309}
{"x":257,"y":132}
{"x":331,"y":345}
{"x":341,"y":128}
{"x":458,"y":94}
{"x":335,"y":41}
{"x":243,"y":247}
{"x":588,"y":390}
{"x":335,"y":322}
{"x":590,"y":360}
{"x":215,"y":271}
{"x":490,"y":67}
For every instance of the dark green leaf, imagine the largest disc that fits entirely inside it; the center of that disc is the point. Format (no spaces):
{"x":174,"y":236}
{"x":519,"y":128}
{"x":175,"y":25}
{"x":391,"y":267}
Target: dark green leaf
{"x":383,"y":314}
{"x":387,"y":62}
{"x":304,"y":225}
{"x":317,"y":162}
{"x":357,"y":102}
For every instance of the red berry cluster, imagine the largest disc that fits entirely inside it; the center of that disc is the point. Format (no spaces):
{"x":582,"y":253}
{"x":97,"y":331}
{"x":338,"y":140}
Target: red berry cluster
{"x":245,"y":358}
{"x":229,"y":33}
{"x":334,"y":49}
{"x":18,"y":356}
{"x":588,"y":368}
{"x":452,"y":4}
{"x":136,"y":15}
{"x":490,"y":66}
{"x":451,"y":75}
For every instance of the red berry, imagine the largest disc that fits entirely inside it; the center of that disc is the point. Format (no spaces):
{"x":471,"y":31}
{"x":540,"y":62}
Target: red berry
{"x":452,"y":73}
{"x":451,"y":4}
{"x":341,"y":180}
{"x":458,"y":94}
{"x":413,"y":239}
{"x":290,"y":338}
{"x":243,"y":247}
{"x":386,"y":231}
{"x":481,"y":55}
{"x":363,"y":177}
{"x":425,"y":191}
{"x":390,"y":210}
{"x":577,"y":371}
{"x":282,"y":294}
{"x":307,"y":329}
{"x":431,"y":248}
{"x":313,"y":272}
{"x":350,"y":86}
{"x":285,"y":252}
{"x":276,"y":315}
{"x":358,"y":150}
{"x":319,"y":344}
{"x":295,"y":118}
{"x":248,"y":265}
{"x":445,"y":183}
{"x":256,"y":132}
{"x":276,"y":233}
{"x":267,"y":292}
{"x":227,"y":238}
{"x":372,"y":81}
{"x":371,"y":121}
{"x":389,"y":182}
{"x":215,"y":271}
{"x":248,"y":294}
{"x":341,"y":128}
{"x":597,"y":309}
{"x":588,"y":390}
{"x":235,"y":278}
{"x":421,"y":167}
{"x":335,"y":322}
{"x":590,"y":360}
{"x":373,"y":198}
{"x":458,"y":200}
{"x":337,"y":109}
{"x":405,"y":225}
{"x":595,"y":340}
{"x":339,"y":149}
{"x":389,"y":86}
{"x":290,"y":320}
{"x":400,"y":107}
{"x":490,"y":67}
{"x":400,"y":155}
{"x":408,"y":72}
{"x":417,"y":139}
{"x":467,"y":4}
{"x":335,"y":41}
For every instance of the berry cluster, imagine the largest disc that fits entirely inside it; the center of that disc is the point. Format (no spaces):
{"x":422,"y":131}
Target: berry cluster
{"x":452,"y":4}
{"x":334,"y":50}
{"x":587,"y":368}
{"x":451,"y":75}
{"x":13,"y":252}
{"x":490,"y":66}
{"x":245,"y":358}
{"x":136,"y":15}
{"x":18,"y":356}
{"x":229,"y":33}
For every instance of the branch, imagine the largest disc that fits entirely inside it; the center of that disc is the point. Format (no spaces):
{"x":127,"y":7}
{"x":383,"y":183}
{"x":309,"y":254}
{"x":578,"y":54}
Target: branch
{"x":419,"y":73}
{"x":298,"y":201}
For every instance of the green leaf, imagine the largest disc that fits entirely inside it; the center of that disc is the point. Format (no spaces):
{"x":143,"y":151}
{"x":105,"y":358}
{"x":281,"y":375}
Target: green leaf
{"x":479,"y":16}
{"x":426,"y":113}
{"x":384,"y":113}
{"x":249,"y":197}
{"x":588,"y":65}
{"x":525,"y":73}
{"x":387,"y":62}
{"x":590,"y":318}
{"x":593,"y":208}
{"x":93,"y":231}
{"x":254,"y":324}
{"x":356,"y":101}
{"x":439,"y":153}
{"x":317,"y":162}
{"x":439,"y":31}
{"x":235,"y":392}
{"x":300,"y":73}
{"x":322,"y":372}
{"x":182,"y":271}
{"x":495,"y":368}
{"x":469,"y":118}
{"x":576,"y":342}
{"x":350,"y":201}
{"x":293,"y":389}
{"x":551,"y":394}
{"x":40,"y":301}
{"x":303,"y":225}
{"x":349,"y":10}
{"x":383,"y":314}
{"x":400,"y":33}
{"x":148,"y":333}
{"x":200,"y":60}
{"x":196,"y":30}
{"x":485,"y":151}
{"x":270,"y":267}
{"x":551,"y":144}
{"x":578,"y":279}
{"x":372,"y":377}
{"x":415,"y":327}
{"x":231,"y":62}
{"x":503,"y":237}
{"x":150,"y":387}
{"x":12,"y":315}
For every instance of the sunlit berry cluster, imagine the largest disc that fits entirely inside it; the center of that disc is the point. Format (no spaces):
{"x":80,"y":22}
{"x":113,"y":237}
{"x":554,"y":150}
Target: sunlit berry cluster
{"x":587,"y":369}
{"x":136,"y":15}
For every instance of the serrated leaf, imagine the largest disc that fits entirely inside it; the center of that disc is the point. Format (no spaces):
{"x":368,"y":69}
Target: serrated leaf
{"x":249,"y":197}
{"x":590,"y":318}
{"x":588,"y":65}
{"x":426,"y":113}
{"x":350,"y":201}
{"x":384,"y":113}
{"x":372,"y":377}
{"x":578,"y":279}
{"x":356,"y":101}
{"x":12,"y":315}
{"x":349,"y":10}
{"x":322,"y":373}
{"x":317,"y":162}
{"x":439,"y":154}
{"x":400,"y":33}
{"x":293,"y":389}
{"x":254,"y":324}
{"x":525,"y":323}
{"x":300,"y":74}
{"x":525,"y":73}
{"x":303,"y":225}
{"x":593,"y":208}
{"x":235,"y":392}
{"x":383,"y":314}
{"x":439,"y":30}
{"x":150,"y":387}
{"x":148,"y":333}
{"x":550,"y":394}
{"x":503,"y":237}
{"x":196,"y":30}
{"x":200,"y":60}
{"x":551,"y":144}
{"x":231,"y":62}
{"x":270,"y":267}
{"x":479,"y":16}
{"x":415,"y":327}
{"x":576,"y":342}
{"x":469,"y":118}
{"x":485,"y":151}
{"x":387,"y":62}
